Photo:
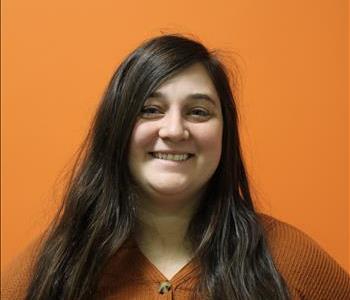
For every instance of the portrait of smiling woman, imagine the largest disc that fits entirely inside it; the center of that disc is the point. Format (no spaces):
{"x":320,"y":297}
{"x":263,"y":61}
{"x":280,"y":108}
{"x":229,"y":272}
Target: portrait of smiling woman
{"x":159,"y":203}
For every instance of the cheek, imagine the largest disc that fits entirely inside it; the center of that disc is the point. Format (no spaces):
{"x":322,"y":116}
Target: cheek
{"x":210,"y":138}
{"x":141,"y":137}
{"x":209,"y":141}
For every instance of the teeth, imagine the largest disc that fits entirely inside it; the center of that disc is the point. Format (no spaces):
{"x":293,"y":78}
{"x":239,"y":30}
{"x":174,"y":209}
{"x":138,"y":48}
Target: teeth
{"x":175,"y":157}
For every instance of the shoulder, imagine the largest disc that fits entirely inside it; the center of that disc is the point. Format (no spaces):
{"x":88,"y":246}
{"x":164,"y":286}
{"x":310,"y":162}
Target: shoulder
{"x":304,"y":264}
{"x":16,"y":276}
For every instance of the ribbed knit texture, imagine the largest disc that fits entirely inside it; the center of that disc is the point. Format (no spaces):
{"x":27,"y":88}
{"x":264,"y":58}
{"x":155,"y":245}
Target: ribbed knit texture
{"x":308,"y":270}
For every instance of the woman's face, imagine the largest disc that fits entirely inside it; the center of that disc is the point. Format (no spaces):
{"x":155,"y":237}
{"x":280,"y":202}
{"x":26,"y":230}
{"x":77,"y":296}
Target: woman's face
{"x":175,"y":145}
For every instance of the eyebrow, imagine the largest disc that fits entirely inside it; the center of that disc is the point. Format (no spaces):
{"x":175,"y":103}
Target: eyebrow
{"x":194,"y":96}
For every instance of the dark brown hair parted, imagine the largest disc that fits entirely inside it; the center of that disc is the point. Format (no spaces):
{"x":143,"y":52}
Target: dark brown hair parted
{"x":98,"y":211}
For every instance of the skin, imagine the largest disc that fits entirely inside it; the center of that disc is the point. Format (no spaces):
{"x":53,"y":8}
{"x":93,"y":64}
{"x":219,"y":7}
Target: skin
{"x":172,"y":121}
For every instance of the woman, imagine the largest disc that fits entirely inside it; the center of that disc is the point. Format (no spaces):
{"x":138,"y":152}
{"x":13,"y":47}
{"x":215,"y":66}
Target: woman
{"x":159,"y":204}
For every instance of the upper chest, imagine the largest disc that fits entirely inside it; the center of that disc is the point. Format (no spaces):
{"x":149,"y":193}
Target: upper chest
{"x":131,"y":275}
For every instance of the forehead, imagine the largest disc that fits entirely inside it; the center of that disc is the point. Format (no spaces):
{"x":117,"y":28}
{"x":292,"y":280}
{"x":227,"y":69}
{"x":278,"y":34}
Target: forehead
{"x":193,"y":80}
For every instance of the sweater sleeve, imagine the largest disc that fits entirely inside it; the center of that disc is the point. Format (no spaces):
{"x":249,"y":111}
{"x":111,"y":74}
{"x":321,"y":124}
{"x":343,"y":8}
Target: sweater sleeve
{"x":309,"y":271}
{"x":16,"y":276}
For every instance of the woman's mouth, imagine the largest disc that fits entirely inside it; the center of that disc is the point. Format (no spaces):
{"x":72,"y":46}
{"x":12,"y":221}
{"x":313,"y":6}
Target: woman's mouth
{"x":172,"y":156}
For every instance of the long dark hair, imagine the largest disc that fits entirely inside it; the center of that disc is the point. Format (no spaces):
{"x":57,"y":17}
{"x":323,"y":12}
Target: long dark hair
{"x":98,"y":210}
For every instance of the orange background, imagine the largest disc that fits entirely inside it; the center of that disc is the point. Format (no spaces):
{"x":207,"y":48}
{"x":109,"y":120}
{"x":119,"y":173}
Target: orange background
{"x":57,"y":57}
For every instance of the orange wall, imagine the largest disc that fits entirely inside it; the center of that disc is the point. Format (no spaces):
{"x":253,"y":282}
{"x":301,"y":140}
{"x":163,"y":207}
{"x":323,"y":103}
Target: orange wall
{"x":57,"y":57}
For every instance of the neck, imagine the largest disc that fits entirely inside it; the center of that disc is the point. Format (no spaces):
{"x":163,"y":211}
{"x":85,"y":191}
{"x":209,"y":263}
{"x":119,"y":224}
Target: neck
{"x":163,"y":228}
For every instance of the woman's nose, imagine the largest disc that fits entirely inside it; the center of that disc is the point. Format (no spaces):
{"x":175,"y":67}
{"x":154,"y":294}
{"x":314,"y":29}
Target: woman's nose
{"x":173,"y":128}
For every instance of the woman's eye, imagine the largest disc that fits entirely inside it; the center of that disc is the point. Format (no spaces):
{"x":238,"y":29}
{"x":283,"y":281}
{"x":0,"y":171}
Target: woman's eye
{"x":200,"y":113}
{"x":150,"y":111}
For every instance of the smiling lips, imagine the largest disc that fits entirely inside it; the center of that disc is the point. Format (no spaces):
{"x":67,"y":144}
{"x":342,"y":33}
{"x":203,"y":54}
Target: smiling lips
{"x":171,"y":156}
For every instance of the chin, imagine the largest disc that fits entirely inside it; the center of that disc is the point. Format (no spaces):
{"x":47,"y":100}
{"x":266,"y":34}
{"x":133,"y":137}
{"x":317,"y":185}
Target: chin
{"x":169,"y":185}
{"x":169,"y":189}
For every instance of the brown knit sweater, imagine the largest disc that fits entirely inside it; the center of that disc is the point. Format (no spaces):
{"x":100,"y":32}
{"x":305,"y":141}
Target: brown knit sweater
{"x":308,"y":270}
